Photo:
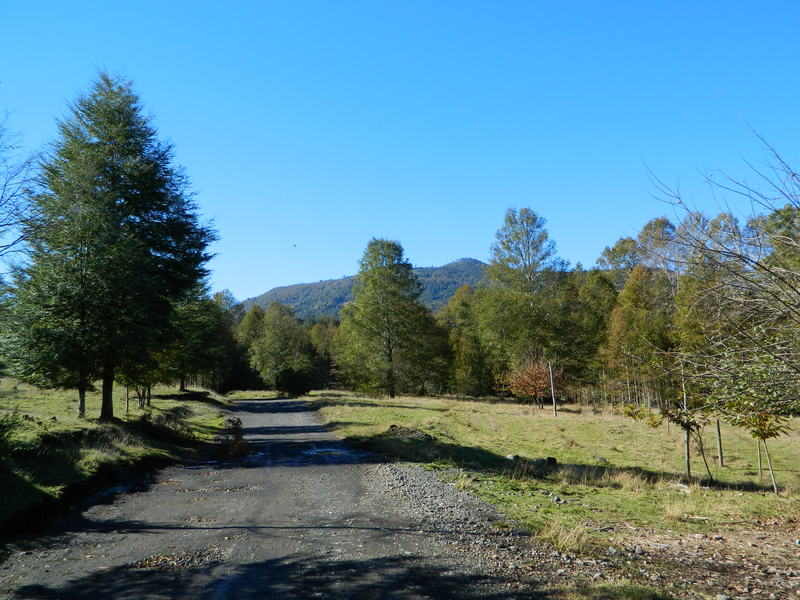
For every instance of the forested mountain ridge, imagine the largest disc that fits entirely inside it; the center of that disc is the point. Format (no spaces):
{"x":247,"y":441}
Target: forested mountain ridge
{"x":326,"y":298}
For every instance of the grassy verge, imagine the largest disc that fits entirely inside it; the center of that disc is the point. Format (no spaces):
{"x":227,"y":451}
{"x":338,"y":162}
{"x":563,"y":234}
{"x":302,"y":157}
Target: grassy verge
{"x":613,"y":474}
{"x":47,"y":453}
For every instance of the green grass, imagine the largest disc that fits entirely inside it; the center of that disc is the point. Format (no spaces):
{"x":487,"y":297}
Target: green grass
{"x":620,"y":590}
{"x":48,"y":450}
{"x":612,"y":470}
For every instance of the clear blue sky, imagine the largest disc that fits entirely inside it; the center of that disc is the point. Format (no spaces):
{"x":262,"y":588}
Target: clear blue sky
{"x":309,"y":127}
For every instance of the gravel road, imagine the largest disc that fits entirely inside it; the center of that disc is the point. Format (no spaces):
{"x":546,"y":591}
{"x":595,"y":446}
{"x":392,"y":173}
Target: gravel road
{"x":302,"y":516}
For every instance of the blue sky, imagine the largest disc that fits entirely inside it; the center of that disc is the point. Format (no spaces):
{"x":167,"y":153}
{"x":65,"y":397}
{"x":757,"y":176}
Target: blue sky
{"x":309,"y":127}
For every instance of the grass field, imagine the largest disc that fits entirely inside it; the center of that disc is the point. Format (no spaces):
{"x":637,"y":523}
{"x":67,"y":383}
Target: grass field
{"x":45,"y":449}
{"x":611,"y":470}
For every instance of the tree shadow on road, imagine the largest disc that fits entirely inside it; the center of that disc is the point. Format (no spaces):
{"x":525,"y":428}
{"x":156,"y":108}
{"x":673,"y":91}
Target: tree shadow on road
{"x":400,"y":577}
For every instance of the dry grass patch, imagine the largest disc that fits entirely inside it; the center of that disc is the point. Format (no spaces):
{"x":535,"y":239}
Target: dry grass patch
{"x":625,"y":480}
{"x":566,"y":535}
{"x":464,"y":482}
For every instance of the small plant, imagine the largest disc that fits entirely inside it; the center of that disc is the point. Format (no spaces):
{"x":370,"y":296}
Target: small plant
{"x":232,"y":441}
{"x":566,"y":536}
{"x":464,"y":483}
{"x":169,"y":423}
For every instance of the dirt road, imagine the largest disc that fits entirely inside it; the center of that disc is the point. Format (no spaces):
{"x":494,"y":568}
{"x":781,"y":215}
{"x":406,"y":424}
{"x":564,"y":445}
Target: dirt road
{"x":301,"y":516}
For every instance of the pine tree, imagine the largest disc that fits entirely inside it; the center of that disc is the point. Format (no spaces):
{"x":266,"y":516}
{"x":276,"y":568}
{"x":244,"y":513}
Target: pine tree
{"x":114,"y":242}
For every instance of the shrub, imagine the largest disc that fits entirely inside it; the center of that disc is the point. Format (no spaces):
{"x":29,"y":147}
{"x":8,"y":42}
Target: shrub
{"x":292,"y":382}
{"x":231,"y":441}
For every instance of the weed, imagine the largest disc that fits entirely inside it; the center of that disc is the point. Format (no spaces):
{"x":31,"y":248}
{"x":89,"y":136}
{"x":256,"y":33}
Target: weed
{"x":231,"y":441}
{"x":679,"y":509}
{"x":618,"y":590}
{"x":565,"y":535}
{"x":625,"y":480}
{"x":464,"y":482}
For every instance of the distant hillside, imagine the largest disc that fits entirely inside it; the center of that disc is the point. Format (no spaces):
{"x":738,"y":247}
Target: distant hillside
{"x":326,"y":298}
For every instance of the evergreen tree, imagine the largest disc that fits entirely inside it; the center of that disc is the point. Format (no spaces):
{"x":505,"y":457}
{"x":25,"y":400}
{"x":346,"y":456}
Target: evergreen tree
{"x":114,"y":242}
{"x":591,"y":307}
{"x":249,"y":329}
{"x":204,"y":349}
{"x":386,"y":339}
{"x":640,"y":333}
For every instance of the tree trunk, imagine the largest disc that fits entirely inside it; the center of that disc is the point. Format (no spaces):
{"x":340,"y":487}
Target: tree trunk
{"x":687,"y":463}
{"x":720,"y":456}
{"x":182,"y":387}
{"x":149,"y":393}
{"x":628,"y":383}
{"x":390,"y":383}
{"x":107,"y":405}
{"x":82,"y":396}
{"x":686,"y":431}
{"x":758,"y":451}
{"x":702,"y":447}
{"x":552,"y":389}
{"x":769,"y":465}
{"x":127,"y":400}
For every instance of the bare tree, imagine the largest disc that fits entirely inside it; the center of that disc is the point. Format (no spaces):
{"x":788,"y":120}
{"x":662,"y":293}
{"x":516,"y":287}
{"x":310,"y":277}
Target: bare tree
{"x":746,"y":296}
{"x":15,"y":182}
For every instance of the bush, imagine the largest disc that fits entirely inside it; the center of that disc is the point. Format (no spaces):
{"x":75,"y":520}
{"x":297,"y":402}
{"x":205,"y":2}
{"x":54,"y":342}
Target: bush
{"x":231,"y":441}
{"x":293,"y":383}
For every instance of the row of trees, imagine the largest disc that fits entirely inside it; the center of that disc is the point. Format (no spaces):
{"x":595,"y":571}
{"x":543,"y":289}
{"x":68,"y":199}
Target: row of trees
{"x":110,"y":282}
{"x":386,"y":341}
{"x":690,"y":322}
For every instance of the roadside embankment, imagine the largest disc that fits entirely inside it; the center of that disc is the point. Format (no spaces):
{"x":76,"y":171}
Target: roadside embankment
{"x":50,"y":459}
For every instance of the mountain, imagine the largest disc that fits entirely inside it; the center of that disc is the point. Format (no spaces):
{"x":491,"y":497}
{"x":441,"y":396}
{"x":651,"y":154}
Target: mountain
{"x":326,"y":298}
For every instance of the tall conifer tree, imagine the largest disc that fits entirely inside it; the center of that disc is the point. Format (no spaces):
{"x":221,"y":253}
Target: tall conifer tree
{"x":114,"y":241}
{"x":387,"y":339}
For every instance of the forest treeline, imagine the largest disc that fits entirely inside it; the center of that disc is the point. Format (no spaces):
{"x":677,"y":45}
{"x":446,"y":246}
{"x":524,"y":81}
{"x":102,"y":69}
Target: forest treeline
{"x":693,"y":320}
